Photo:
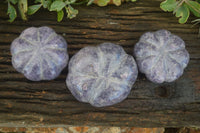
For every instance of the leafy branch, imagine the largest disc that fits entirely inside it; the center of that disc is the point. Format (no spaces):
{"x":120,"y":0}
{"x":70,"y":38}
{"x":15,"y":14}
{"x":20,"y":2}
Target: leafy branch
{"x":182,"y":9}
{"x":59,"y":6}
{"x":51,"y":5}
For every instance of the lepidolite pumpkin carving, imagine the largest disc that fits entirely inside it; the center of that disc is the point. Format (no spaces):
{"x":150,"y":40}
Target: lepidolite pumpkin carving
{"x":161,"y":56}
{"x":101,"y":75}
{"x":39,"y":53}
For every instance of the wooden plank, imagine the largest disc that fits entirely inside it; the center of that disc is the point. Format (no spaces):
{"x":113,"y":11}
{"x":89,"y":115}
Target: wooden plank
{"x":49,"y":103}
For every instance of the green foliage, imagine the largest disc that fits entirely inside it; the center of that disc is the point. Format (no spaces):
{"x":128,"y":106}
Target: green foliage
{"x":102,"y":2}
{"x":34,"y":8}
{"x":105,"y":2}
{"x":52,"y":5}
{"x":182,"y":8}
{"x":117,"y":2}
{"x":57,"y":6}
{"x":168,"y":5}
{"x":194,"y":8}
{"x":60,"y":15}
{"x":23,"y":8}
{"x":46,"y":3}
{"x":90,"y":2}
{"x":183,"y":13}
{"x":71,"y":12}
{"x":11,"y":12}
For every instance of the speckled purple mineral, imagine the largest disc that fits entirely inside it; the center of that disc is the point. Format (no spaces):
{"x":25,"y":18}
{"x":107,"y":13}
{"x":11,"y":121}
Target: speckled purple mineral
{"x":161,"y":56}
{"x":101,"y":75}
{"x":39,"y":53}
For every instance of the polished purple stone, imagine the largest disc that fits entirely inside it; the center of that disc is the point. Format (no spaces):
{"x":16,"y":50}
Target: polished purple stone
{"x":101,"y":75}
{"x":39,"y":53}
{"x":161,"y":56}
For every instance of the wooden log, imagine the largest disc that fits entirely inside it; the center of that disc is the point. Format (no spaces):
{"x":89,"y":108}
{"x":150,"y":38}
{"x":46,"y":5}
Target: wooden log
{"x":49,"y":103}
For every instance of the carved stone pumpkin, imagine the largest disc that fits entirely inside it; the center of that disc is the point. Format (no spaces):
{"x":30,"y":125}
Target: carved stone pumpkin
{"x":101,"y":75}
{"x":161,"y":56}
{"x":39,"y":53}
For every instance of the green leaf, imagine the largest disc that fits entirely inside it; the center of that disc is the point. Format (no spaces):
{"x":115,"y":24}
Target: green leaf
{"x":12,"y":13}
{"x":68,"y":2}
{"x":168,"y":5}
{"x":133,"y":0}
{"x":34,"y":8}
{"x":57,"y":6}
{"x":102,"y":2}
{"x":37,"y":1}
{"x":46,"y":3}
{"x":194,"y":7}
{"x":13,"y":1}
{"x":90,"y":2}
{"x":23,"y":8}
{"x":71,"y":12}
{"x":183,"y":12}
{"x":117,"y":2}
{"x":60,"y":15}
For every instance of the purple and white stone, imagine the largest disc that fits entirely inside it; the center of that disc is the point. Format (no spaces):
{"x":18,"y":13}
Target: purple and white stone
{"x":39,"y":53}
{"x":101,"y":75}
{"x":161,"y":56}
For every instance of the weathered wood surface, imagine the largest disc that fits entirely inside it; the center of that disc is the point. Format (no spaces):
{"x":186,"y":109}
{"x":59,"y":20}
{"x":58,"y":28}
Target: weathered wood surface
{"x":49,"y":103}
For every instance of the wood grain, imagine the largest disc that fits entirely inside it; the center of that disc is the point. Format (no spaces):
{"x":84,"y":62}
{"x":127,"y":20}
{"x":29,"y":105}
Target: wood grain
{"x":49,"y":103}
